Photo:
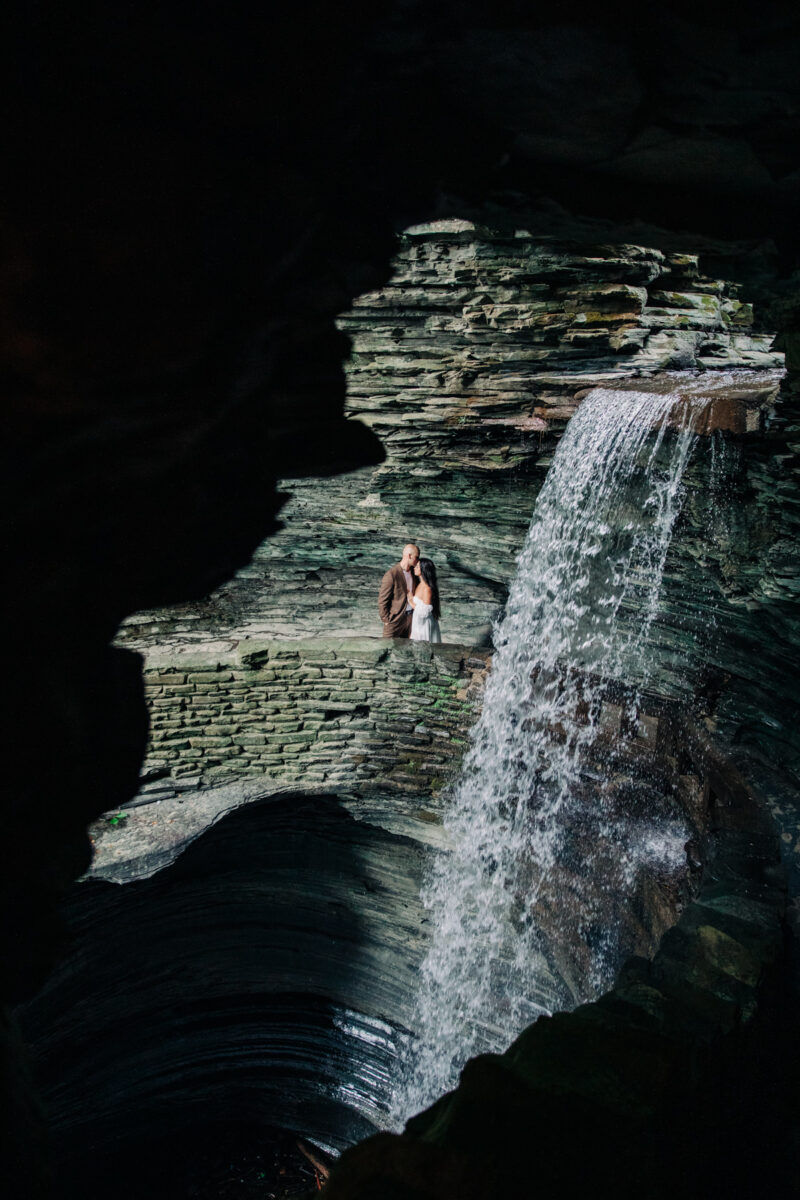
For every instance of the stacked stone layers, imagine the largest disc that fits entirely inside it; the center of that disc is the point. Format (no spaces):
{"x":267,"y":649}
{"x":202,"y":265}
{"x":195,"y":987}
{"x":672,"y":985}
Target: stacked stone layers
{"x":393,"y":714}
{"x":475,"y":345}
{"x":468,"y":366}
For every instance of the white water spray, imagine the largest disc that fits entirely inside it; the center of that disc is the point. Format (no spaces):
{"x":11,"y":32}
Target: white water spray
{"x":578,"y":614}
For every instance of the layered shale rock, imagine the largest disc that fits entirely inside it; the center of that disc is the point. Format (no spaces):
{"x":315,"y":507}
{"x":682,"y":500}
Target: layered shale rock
{"x":467,"y":449}
{"x":276,"y":982}
{"x":478,"y":338}
{"x":184,"y":218}
{"x":468,"y":366}
{"x":266,"y":976}
{"x":648,"y":1078}
{"x":282,"y":940}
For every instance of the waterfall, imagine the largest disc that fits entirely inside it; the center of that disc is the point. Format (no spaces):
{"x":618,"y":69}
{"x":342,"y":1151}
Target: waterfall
{"x":578,"y":614}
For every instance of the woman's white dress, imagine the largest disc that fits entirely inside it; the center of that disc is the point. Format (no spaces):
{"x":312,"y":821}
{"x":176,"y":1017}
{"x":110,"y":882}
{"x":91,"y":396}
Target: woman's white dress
{"x":424,"y":626}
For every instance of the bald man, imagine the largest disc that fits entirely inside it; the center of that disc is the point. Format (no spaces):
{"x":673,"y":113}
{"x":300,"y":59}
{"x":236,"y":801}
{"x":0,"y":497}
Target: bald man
{"x":393,"y":606}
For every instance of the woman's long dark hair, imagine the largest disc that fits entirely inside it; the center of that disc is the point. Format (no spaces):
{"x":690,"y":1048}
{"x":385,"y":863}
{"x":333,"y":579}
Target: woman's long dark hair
{"x":427,"y":573}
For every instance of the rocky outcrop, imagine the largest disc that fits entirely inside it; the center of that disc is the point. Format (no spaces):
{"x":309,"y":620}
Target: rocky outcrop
{"x":651,"y":1071}
{"x":474,"y":347}
{"x":285,"y":933}
{"x":182,"y":221}
{"x":468,"y":366}
{"x":280,"y":960}
{"x":276,"y":982}
{"x":473,"y":500}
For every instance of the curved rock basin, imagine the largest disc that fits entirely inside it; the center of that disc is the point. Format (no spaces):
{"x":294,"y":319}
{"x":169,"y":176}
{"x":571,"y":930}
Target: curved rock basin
{"x":265,"y":978}
{"x":259,"y":974}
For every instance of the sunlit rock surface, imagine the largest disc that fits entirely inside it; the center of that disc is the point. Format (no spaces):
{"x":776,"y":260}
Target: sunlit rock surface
{"x":468,"y":365}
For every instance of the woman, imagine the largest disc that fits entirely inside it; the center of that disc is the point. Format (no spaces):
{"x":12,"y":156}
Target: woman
{"x":425,"y":602}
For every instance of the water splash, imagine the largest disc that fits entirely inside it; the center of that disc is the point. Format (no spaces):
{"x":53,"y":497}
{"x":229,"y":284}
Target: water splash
{"x":579,"y":613}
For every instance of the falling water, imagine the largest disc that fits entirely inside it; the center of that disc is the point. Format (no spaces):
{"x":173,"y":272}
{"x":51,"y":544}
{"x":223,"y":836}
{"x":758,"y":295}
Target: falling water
{"x":579,"y":612}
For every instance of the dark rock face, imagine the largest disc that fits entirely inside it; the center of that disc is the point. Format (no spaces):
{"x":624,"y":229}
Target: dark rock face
{"x":276,"y":983}
{"x":275,"y":990}
{"x":184,"y":220}
{"x":652,"y":1072}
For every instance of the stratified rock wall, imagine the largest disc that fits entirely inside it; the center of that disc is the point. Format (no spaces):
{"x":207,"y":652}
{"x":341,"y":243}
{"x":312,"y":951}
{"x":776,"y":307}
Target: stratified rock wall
{"x":265,"y":975}
{"x":467,"y":366}
{"x":268,"y":972}
{"x":269,"y":975}
{"x":474,"y":347}
{"x":346,"y":712}
{"x":189,"y":203}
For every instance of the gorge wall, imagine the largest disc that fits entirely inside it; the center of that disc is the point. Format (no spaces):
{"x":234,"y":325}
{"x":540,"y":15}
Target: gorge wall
{"x":266,"y":976}
{"x":184,"y":219}
{"x":259,"y":965}
{"x":271,"y":678}
{"x":468,"y":366}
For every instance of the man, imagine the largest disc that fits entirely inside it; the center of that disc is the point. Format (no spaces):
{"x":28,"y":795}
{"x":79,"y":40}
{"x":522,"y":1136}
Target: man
{"x":393,"y":606}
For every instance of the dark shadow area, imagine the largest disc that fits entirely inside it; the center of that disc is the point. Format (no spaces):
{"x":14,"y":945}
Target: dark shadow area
{"x":206,"y":1162}
{"x":244,"y":984}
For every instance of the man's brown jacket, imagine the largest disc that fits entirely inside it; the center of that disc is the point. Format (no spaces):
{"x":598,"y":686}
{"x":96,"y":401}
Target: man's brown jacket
{"x":392,"y":602}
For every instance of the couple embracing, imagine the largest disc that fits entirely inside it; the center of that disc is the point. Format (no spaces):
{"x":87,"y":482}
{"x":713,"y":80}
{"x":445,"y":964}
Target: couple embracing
{"x":408,"y":600}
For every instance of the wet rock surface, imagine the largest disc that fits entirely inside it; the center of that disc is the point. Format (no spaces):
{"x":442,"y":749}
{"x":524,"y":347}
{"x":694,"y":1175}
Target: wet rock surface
{"x":175,"y":191}
{"x":652,"y":1070}
{"x":271,"y":985}
{"x":267,"y":976}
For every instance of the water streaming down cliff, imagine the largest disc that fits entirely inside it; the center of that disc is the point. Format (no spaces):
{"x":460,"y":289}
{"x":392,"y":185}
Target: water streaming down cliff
{"x":579,"y":613}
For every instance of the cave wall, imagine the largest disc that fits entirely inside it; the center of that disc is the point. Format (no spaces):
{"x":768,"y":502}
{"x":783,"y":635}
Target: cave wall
{"x":175,"y":189}
{"x":261,"y":966}
{"x":268,"y":975}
